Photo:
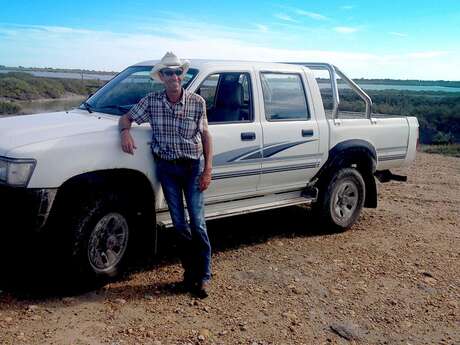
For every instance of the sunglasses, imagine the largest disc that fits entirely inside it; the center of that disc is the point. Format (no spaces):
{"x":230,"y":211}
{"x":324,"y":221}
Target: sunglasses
{"x":171,"y":72}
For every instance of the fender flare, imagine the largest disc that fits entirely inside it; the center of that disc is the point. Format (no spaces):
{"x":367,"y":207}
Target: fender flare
{"x":348,"y":154}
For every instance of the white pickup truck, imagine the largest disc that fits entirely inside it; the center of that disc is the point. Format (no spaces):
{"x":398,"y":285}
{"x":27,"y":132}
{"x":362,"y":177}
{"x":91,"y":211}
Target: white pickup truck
{"x":274,"y":146}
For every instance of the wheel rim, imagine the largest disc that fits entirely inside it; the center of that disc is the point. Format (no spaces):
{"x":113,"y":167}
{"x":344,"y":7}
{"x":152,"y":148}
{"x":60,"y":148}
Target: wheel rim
{"x":107,"y":242}
{"x":345,"y":201}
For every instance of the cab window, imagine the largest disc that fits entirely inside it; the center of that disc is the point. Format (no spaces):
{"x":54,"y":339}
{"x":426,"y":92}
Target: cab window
{"x":228,"y":97}
{"x":284,"y":97}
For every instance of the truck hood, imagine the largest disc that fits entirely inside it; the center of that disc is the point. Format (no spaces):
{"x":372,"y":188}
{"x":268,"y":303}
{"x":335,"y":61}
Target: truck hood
{"x":23,"y":130}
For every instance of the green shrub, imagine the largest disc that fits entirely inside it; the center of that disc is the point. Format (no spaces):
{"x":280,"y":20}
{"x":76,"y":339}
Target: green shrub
{"x":75,"y":86}
{"x":14,"y":88}
{"x":448,"y":150}
{"x":9,"y":108}
{"x":24,"y":86}
{"x":48,"y":88}
{"x":441,"y":138}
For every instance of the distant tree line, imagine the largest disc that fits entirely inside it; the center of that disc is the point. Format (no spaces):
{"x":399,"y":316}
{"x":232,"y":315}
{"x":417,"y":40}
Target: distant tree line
{"x":401,"y":82}
{"x":438,"y":112}
{"x":409,"y":82}
{"x":51,"y":69}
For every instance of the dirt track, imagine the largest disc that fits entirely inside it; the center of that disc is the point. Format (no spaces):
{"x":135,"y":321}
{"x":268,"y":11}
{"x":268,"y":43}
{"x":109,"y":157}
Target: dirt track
{"x":394,"y":278}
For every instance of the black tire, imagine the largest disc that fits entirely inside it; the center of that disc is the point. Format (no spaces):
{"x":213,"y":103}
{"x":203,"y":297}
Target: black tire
{"x":341,"y":200}
{"x":100,"y":233}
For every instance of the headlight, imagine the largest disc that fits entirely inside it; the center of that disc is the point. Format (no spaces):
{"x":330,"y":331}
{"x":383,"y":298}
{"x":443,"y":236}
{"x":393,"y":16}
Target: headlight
{"x":16,"y":172}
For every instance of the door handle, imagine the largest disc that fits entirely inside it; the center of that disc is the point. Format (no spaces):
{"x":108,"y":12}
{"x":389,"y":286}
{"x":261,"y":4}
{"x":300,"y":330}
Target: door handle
{"x":307,"y":132}
{"x":248,"y":136}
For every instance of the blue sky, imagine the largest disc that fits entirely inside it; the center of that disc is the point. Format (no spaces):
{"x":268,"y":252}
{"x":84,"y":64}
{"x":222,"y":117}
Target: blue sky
{"x":381,"y":39}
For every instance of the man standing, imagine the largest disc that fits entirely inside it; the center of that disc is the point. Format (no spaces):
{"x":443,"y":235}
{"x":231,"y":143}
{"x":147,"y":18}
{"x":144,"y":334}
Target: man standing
{"x":180,"y":138}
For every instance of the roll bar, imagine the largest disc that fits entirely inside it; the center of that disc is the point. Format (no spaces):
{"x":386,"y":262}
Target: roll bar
{"x":334,"y":71}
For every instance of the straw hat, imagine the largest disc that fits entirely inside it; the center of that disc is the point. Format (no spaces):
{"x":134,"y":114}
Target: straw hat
{"x":170,"y":60}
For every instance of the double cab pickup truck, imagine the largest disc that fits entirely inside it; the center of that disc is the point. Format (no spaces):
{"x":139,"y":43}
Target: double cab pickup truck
{"x":274,"y":143}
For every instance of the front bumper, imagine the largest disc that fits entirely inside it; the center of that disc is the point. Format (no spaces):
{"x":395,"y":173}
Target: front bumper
{"x":24,"y":209}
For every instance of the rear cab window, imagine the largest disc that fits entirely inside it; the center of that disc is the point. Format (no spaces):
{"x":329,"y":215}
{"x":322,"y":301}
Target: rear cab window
{"x":284,"y":97}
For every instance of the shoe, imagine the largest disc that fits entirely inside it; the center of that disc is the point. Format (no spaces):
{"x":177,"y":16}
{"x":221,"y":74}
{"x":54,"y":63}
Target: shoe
{"x":185,"y":286}
{"x":202,"y":290}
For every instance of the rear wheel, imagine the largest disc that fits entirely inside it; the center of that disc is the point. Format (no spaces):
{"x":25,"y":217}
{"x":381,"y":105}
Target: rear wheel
{"x":341,"y":201}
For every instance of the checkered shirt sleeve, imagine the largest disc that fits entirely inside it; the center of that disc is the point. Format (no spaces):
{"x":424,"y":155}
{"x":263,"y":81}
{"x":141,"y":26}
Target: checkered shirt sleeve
{"x":140,"y":113}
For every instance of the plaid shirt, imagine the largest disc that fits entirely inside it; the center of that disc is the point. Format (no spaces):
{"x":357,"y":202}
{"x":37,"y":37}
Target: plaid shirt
{"x":177,"y":128}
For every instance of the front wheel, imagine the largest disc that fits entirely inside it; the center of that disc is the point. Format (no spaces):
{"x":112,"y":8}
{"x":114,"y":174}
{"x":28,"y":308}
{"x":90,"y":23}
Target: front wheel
{"x":341,"y":201}
{"x":107,"y":243}
{"x":100,"y":234}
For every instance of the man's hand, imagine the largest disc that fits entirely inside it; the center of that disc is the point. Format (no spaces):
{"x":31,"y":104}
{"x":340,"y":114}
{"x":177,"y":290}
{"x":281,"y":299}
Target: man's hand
{"x":127,"y":142}
{"x":205,"y":180}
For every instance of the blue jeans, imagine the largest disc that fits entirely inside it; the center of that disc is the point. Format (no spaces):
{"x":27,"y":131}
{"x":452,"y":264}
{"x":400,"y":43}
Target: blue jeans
{"x":179,"y":179}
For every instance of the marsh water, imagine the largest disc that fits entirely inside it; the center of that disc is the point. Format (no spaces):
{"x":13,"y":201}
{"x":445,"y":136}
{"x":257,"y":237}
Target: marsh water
{"x":41,"y":106}
{"x":69,"y":75}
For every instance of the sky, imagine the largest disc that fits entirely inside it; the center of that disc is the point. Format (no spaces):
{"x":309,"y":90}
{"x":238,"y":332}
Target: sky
{"x":406,"y":39}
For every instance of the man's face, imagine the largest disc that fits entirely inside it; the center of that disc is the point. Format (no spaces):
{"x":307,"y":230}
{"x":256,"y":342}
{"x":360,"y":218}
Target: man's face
{"x":171,"y":78}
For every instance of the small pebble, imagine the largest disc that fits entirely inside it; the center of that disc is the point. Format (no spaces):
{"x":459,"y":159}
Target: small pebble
{"x":32,"y":307}
{"x":68,"y":300}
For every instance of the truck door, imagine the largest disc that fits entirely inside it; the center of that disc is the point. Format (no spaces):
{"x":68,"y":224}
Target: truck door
{"x":236,"y":134}
{"x":290,"y":155}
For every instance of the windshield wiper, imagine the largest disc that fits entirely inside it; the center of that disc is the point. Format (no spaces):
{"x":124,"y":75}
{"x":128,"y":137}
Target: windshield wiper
{"x":123,"y":108}
{"x":87,"y":107}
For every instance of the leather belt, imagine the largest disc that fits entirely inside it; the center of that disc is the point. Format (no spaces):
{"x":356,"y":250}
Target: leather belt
{"x":178,"y":161}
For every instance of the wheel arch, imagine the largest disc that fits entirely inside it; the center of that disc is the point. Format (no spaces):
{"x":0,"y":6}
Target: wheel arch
{"x":85,"y":197}
{"x":356,"y":153}
{"x":130,"y":183}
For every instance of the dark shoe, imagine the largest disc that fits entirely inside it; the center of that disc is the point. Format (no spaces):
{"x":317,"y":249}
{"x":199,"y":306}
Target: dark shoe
{"x":202,"y":290}
{"x":185,"y":286}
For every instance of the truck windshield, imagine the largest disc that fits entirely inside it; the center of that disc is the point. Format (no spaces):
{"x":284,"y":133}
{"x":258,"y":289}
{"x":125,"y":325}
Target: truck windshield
{"x":126,"y":89}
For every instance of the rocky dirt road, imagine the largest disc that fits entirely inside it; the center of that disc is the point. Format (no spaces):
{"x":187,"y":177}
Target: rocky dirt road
{"x":394,"y":278}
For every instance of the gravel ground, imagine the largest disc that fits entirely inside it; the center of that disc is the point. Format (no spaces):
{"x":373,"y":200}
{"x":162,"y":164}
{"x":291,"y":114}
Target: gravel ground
{"x":279,"y":278}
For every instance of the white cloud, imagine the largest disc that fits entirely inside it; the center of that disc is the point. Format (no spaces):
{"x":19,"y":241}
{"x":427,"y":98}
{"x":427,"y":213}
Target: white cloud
{"x":312,"y":15}
{"x":346,"y":7}
{"x":426,"y":54}
{"x":262,"y":28}
{"x":399,"y":34}
{"x":285,"y":17}
{"x":104,"y":50}
{"x":345,"y":29}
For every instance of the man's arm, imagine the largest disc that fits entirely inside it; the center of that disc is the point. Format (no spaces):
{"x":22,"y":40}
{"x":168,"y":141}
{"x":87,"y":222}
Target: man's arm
{"x":127,"y":141}
{"x":206,"y":138}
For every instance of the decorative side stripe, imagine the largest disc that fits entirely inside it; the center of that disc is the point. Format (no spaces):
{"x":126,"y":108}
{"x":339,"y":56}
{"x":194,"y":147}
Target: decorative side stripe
{"x":254,"y":152}
{"x":264,"y":171}
{"x":235,"y":174}
{"x":232,"y":155}
{"x":315,"y":156}
{"x":387,"y":149}
{"x":270,"y":151}
{"x":391,"y":157}
{"x":290,"y":168}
